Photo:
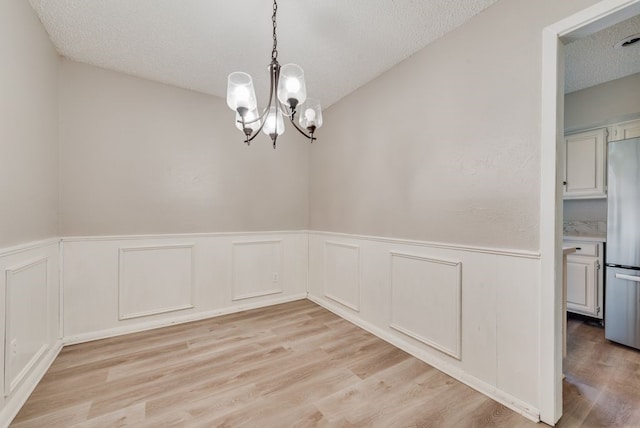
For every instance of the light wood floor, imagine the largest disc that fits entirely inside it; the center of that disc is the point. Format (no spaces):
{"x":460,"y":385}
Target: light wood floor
{"x":294,"y":364}
{"x":602,"y":384}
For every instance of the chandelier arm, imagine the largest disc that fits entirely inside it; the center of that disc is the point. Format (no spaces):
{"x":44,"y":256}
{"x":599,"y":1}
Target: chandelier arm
{"x":309,"y":136}
{"x":274,"y":70}
{"x":285,"y":110}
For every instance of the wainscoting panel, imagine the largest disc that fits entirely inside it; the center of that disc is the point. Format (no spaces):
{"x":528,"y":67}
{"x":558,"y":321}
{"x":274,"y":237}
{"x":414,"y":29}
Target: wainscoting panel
{"x":342,"y":273}
{"x":426,"y":300}
{"x":256,"y":268}
{"x":26,"y":337}
{"x":121,"y":284}
{"x":155,"y":279}
{"x":455,"y":307}
{"x":29,"y":324}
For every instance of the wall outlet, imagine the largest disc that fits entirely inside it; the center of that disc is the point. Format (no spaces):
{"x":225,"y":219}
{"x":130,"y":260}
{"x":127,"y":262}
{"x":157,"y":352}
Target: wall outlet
{"x":275,"y":277}
{"x":14,"y":347}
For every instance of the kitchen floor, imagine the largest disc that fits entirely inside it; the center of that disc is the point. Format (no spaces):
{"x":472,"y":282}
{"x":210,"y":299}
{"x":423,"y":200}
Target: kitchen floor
{"x":602,"y":384}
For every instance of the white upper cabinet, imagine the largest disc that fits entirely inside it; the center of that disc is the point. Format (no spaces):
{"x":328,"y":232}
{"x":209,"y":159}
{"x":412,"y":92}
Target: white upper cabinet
{"x":585,"y":165}
{"x":624,"y":130}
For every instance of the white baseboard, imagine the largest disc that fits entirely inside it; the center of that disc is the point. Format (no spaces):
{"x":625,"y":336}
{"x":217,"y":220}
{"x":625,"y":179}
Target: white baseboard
{"x":150,"y":325}
{"x":492,"y":392}
{"x":20,"y":395}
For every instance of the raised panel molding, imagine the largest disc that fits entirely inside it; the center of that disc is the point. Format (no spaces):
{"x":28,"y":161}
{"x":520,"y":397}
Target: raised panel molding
{"x":155,"y":279}
{"x":26,"y":320}
{"x":579,"y":272}
{"x":426,"y":300}
{"x":342,"y":273}
{"x":257,"y":268}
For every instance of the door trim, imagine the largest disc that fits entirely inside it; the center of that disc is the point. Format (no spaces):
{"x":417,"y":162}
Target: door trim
{"x":587,"y":21}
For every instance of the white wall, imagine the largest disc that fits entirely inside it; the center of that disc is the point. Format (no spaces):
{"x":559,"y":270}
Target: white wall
{"x":28,"y":127}
{"x":29,"y":286}
{"x":445,"y":148}
{"x":585,"y":210}
{"x":602,"y":104}
{"x":140,"y":157}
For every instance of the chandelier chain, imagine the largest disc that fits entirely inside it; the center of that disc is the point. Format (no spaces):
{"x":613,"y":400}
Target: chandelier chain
{"x":274,"y":52}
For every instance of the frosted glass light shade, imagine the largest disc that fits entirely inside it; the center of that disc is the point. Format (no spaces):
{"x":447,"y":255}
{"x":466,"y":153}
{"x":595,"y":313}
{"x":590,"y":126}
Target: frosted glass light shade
{"x":311,"y":114}
{"x":248,"y":120}
{"x":292,"y":90}
{"x":240,"y":92}
{"x":274,"y":123}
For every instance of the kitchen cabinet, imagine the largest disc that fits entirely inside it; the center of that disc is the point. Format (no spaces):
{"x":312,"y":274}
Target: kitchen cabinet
{"x":624,"y":130}
{"x":585,"y":281}
{"x":585,"y":164}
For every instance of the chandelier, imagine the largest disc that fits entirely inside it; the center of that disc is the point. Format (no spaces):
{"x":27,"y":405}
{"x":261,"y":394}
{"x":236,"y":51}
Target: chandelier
{"x":287,"y":97}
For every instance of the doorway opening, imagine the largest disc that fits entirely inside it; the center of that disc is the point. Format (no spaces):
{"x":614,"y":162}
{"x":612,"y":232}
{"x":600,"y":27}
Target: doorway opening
{"x":589,"y":21}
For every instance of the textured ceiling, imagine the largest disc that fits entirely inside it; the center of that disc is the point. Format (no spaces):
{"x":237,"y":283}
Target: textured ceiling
{"x":195,"y":44}
{"x":593,"y":60}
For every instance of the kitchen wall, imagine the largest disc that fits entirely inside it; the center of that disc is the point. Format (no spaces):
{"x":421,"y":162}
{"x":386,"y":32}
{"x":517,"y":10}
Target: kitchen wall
{"x":599,"y":105}
{"x":602,"y":104}
{"x":28,"y":127}
{"x":140,"y":157}
{"x":585,"y":210}
{"x":29,"y":256}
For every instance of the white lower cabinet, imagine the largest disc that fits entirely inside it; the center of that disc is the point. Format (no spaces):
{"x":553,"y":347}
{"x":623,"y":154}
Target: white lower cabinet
{"x":585,"y":278}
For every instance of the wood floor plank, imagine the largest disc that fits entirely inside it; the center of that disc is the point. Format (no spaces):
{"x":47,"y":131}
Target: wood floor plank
{"x":63,"y":417}
{"x":579,"y":400}
{"x":128,"y":416}
{"x":205,"y":406}
{"x":602,"y":384}
{"x":289,"y":365}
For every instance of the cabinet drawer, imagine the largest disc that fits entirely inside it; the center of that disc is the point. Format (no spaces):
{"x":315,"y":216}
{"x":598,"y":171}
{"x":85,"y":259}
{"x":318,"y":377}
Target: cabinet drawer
{"x":583,"y":248}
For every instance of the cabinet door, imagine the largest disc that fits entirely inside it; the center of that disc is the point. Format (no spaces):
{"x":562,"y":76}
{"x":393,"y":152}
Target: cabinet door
{"x":582,"y":285}
{"x":623,"y":131}
{"x":585,"y":165}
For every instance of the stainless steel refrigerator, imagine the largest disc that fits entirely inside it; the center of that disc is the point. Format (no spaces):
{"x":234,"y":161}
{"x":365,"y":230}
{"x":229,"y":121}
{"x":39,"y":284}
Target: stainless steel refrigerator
{"x":622,"y":296}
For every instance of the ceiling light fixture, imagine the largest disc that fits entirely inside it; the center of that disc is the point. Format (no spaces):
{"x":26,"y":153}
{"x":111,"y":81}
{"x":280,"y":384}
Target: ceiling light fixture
{"x":628,"y":41}
{"x":287,"y":96}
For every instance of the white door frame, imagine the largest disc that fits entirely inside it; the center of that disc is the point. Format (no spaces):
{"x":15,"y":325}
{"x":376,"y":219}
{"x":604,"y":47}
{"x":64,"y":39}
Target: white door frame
{"x":588,"y":21}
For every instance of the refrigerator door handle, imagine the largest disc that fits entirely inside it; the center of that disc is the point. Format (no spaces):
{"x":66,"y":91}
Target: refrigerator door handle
{"x":628,"y":277}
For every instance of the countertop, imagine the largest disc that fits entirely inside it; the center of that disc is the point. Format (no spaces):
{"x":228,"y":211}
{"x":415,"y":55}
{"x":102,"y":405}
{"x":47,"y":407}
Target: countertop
{"x":587,"y":238}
